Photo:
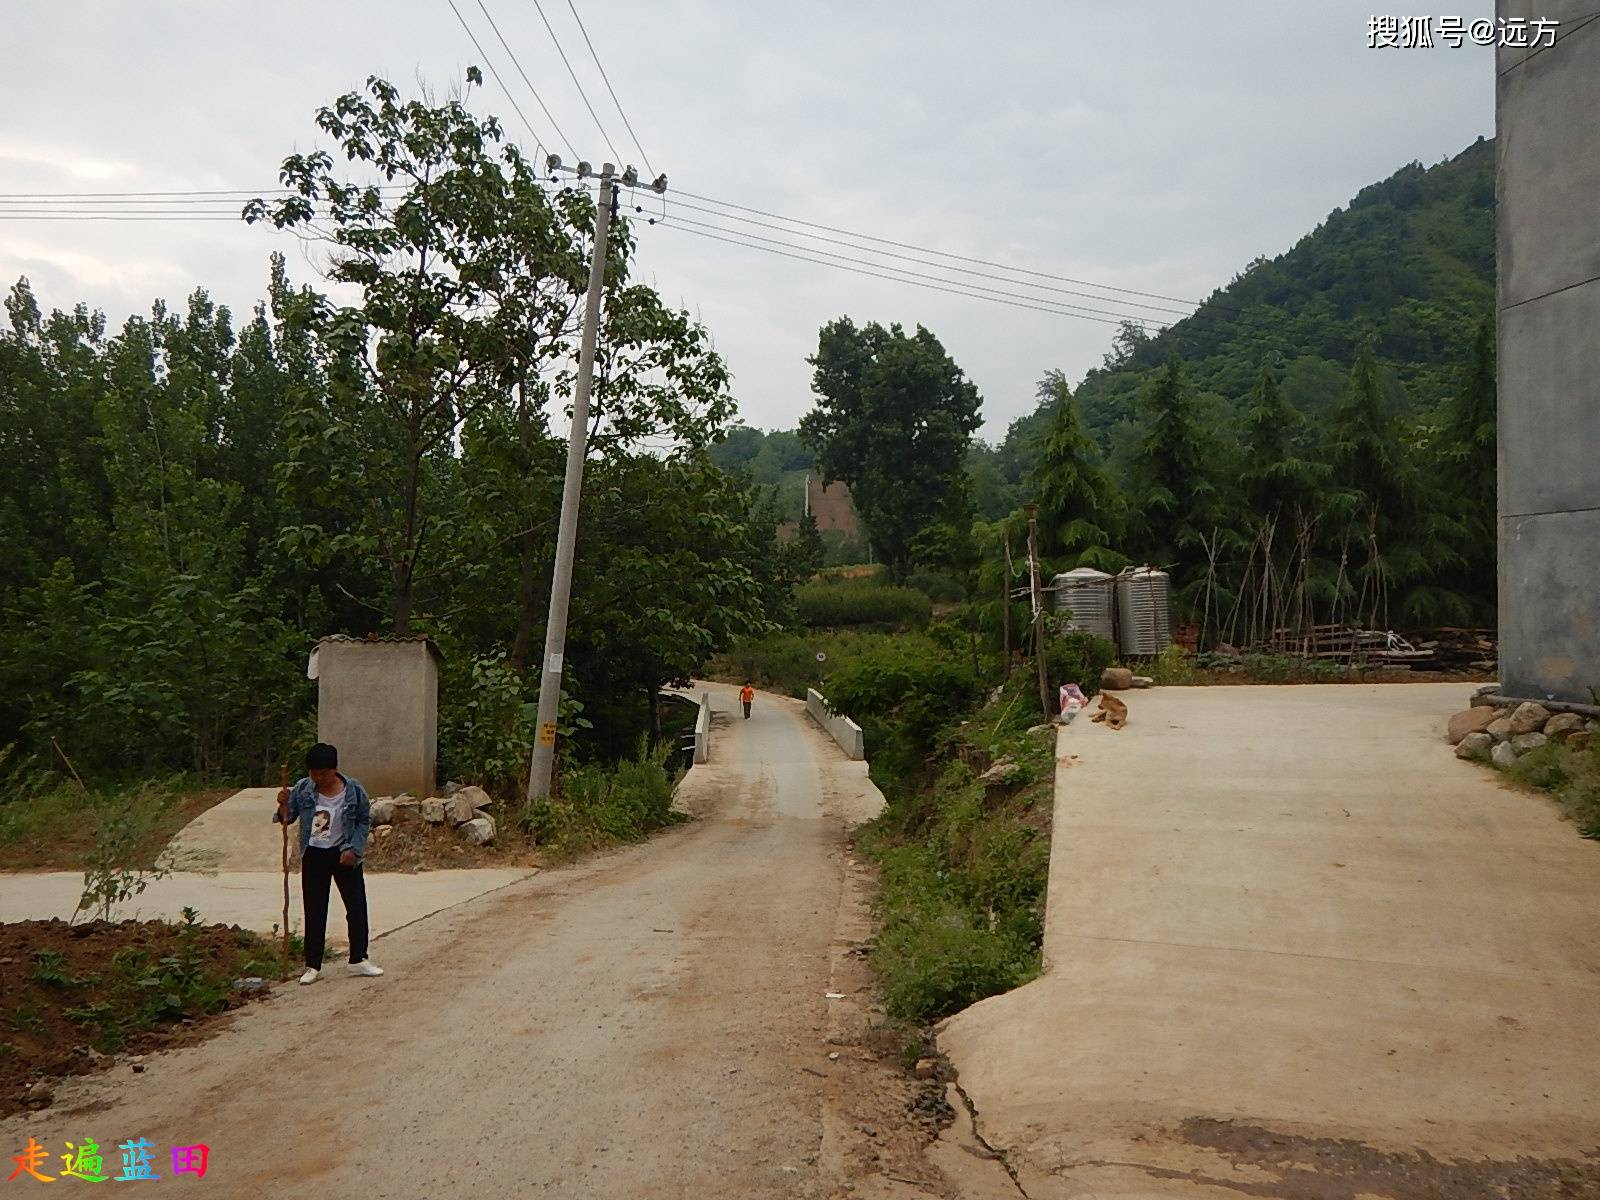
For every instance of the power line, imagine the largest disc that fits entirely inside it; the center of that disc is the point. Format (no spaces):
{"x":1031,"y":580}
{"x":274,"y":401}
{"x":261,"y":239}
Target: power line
{"x":626,"y":123}
{"x":517,"y":63}
{"x":910,"y":258}
{"x":983,"y":262}
{"x":582,"y":95}
{"x":488,"y":62}
{"x":856,"y":270}
{"x":903,"y":271}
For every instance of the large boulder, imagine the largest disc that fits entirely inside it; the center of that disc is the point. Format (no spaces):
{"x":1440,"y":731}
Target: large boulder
{"x":479,"y":831}
{"x":1472,"y":720}
{"x":476,"y":796}
{"x":458,"y":808}
{"x":1562,"y":726}
{"x":1116,"y":679}
{"x":406,"y":808}
{"x":1503,"y":755}
{"x":1499,"y":729}
{"x":1528,"y":716}
{"x":433,"y":811}
{"x":1523,"y":742}
{"x":383,"y":809}
{"x":1475,"y":746}
{"x":1579,"y":740}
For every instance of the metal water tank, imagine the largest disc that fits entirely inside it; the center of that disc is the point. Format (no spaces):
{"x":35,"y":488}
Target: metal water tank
{"x":1144,"y":611}
{"x":1090,"y":596}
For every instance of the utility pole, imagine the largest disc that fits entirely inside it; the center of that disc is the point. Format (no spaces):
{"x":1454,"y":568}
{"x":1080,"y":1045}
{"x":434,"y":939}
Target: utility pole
{"x":555,"y":628}
{"x":1005,"y":613}
{"x":1038,"y":607}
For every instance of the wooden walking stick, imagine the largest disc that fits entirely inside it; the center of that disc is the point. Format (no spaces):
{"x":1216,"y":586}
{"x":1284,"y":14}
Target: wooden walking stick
{"x":283,"y":781}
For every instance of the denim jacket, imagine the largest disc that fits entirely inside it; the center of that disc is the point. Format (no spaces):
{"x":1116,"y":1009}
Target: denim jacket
{"x":357,"y":813}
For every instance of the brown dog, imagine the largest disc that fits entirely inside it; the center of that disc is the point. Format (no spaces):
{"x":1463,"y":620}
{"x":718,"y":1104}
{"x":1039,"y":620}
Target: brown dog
{"x":1112,"y":711}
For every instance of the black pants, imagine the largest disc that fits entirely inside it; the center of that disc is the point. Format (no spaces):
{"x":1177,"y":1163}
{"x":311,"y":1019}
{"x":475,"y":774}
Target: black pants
{"x":317,"y":868}
{"x":747,"y":710}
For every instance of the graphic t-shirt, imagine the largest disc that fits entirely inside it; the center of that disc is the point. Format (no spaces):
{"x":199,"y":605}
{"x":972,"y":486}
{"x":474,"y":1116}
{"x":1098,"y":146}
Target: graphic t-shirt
{"x":327,"y":822}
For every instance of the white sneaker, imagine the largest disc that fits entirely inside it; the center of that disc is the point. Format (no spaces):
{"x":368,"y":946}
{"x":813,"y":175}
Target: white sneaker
{"x":311,"y":975}
{"x":365,"y":967}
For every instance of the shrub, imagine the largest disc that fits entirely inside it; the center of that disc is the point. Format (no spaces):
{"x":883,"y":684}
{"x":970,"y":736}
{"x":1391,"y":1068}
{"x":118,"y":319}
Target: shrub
{"x":901,"y":695}
{"x":605,"y":805}
{"x":861,"y":603}
{"x":937,"y":587}
{"x":1078,"y":657}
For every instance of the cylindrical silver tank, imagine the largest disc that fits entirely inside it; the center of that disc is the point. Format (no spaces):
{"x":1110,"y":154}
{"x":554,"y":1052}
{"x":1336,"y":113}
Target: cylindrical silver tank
{"x":1144,"y":611}
{"x":1090,"y":597}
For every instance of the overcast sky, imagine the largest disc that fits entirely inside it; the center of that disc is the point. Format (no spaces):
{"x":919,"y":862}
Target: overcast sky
{"x":1157,"y":146}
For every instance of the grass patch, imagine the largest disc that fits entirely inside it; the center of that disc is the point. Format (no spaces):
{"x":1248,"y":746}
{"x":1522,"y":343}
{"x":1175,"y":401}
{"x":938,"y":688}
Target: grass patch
{"x":861,"y":602}
{"x":49,"y":821}
{"x":600,"y":806}
{"x":1570,"y":777}
{"x":964,"y":867}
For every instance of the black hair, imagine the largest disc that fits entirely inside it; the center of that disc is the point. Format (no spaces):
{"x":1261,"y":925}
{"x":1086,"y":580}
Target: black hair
{"x":321,"y":756}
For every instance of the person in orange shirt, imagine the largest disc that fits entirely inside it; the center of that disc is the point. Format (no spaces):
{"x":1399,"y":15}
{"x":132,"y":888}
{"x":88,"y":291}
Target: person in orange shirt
{"x":746,"y":695}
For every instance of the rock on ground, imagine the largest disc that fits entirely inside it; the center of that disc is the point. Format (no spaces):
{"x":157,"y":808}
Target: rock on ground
{"x":1499,"y":729}
{"x":1579,"y":740}
{"x":479,"y":831}
{"x":433,"y":811}
{"x":476,"y":796}
{"x":1528,"y":716}
{"x":1503,"y":755}
{"x":458,"y":808}
{"x":1116,"y":679}
{"x":1475,"y":746}
{"x":1562,"y":726}
{"x":1471,"y":720}
{"x":1523,"y":742}
{"x":383,"y":810}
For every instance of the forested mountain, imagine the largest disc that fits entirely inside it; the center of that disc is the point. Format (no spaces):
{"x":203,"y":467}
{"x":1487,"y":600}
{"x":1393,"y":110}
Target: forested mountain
{"x":1409,"y":265}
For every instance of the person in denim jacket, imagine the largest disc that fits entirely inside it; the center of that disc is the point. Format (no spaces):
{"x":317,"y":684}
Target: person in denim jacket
{"x":335,"y":818}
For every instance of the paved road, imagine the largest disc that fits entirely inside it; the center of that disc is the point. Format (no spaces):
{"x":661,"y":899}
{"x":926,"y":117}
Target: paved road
{"x":1293,"y":909}
{"x":634,"y":1027}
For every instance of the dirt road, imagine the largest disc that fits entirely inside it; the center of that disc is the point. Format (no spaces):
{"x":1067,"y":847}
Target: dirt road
{"x":650,"y":1024}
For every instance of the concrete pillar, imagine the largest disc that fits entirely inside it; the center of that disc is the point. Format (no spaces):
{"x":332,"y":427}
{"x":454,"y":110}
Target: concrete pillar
{"x":1548,"y":151}
{"x":378,"y":702}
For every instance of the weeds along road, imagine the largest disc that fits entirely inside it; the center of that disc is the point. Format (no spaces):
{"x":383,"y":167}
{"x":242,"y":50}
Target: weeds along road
{"x":636,"y":1026}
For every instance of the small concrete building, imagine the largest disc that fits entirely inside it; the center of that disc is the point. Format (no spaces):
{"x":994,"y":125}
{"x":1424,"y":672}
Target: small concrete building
{"x":1548,"y":149}
{"x":378,"y":702}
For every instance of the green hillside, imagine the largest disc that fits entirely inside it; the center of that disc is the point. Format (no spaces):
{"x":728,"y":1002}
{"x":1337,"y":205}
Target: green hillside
{"x":1409,"y":263}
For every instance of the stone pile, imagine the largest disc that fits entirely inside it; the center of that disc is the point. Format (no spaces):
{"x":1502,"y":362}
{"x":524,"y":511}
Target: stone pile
{"x":1492,"y":731}
{"x":463,"y":809}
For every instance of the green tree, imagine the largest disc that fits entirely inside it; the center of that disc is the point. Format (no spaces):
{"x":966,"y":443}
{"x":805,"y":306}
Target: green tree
{"x":1079,"y":508}
{"x":893,"y":419}
{"x":1176,"y":500}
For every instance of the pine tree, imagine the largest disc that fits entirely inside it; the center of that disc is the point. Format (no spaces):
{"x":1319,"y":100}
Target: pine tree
{"x":1176,"y":498}
{"x":1080,"y":510}
{"x":1276,"y":480}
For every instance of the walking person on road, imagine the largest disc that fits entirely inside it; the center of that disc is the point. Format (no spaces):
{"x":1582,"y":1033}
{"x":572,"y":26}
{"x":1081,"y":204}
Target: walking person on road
{"x":746,"y":695}
{"x":335,"y":817}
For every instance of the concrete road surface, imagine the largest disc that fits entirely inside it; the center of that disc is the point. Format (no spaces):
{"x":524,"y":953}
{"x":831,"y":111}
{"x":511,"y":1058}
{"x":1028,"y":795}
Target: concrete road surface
{"x":1295,"y":948}
{"x":640,"y":1026}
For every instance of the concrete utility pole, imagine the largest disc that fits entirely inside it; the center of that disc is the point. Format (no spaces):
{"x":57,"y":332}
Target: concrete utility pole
{"x":555,"y":629}
{"x":1037,"y":592}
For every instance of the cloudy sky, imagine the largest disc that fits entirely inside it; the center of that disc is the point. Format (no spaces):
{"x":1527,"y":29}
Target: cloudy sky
{"x":1153,"y":145}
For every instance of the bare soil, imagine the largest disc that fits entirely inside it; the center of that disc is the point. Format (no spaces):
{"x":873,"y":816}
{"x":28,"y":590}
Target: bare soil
{"x":50,"y":968}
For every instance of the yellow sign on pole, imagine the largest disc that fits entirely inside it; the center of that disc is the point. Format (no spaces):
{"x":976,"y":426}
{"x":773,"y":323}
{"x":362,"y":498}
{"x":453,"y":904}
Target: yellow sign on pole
{"x":547,"y":733}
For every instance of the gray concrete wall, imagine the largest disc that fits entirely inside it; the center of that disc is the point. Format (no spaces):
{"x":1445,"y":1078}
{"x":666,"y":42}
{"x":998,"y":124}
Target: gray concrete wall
{"x":1548,"y":149}
{"x":378,"y":702}
{"x":840,"y":728}
{"x":702,"y":730}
